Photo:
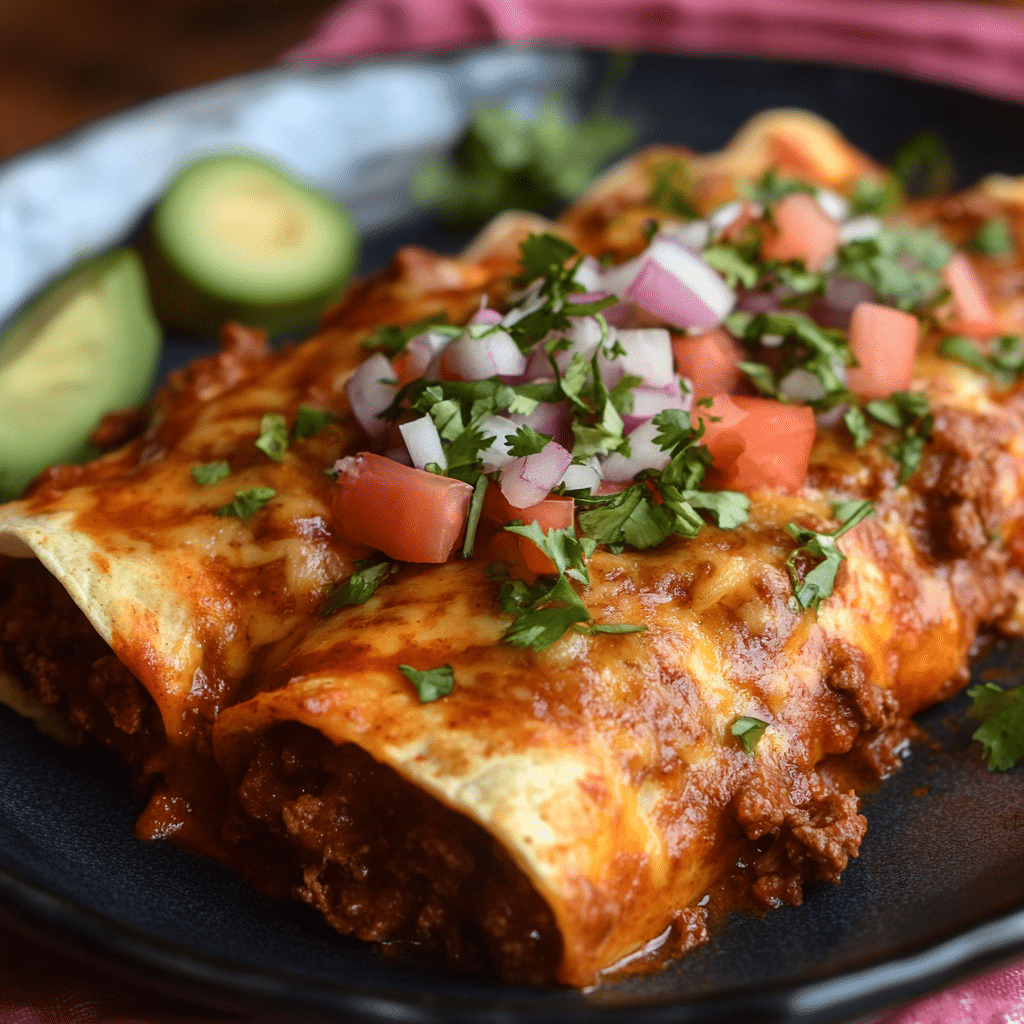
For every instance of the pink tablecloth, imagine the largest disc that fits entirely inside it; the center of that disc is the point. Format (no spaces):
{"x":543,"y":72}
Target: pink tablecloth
{"x":971,"y":45}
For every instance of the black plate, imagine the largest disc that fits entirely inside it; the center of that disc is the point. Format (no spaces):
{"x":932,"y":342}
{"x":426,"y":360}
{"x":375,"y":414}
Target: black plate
{"x":937,"y":892}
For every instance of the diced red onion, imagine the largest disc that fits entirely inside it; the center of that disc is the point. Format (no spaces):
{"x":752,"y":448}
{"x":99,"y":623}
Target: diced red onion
{"x":551,"y":418}
{"x":528,"y":301}
{"x":648,"y":356}
{"x":421,"y":349}
{"x":490,"y":317}
{"x":398,"y":454}
{"x":496,"y":455}
{"x":528,"y":480}
{"x":833,"y":204}
{"x":648,"y":402}
{"x":694,"y":234}
{"x":858,"y":229}
{"x":584,"y":336}
{"x":801,"y":386}
{"x":582,"y":476}
{"x":368,"y":396}
{"x":493,"y":354}
{"x":588,"y":273}
{"x":423,"y":442}
{"x":675,"y":284}
{"x":757,"y":302}
{"x":842,"y":294}
{"x":644,"y":454}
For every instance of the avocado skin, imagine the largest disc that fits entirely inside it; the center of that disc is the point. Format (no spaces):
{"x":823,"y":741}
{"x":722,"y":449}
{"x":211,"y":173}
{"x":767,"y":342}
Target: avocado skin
{"x":201,"y":308}
{"x":46,"y":435}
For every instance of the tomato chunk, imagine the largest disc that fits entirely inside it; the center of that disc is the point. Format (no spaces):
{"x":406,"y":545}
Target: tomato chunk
{"x":884,"y":342}
{"x":553,"y":513}
{"x":409,"y":514}
{"x":802,"y":230}
{"x":972,"y":311}
{"x":709,"y":362}
{"x":759,"y":443}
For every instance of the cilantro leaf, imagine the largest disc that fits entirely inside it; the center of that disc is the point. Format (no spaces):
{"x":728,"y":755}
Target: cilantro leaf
{"x":613,"y":628}
{"x":1002,"y":732}
{"x":273,"y":439}
{"x":360,"y":586}
{"x":392,"y":339}
{"x":909,"y":413}
{"x":1004,"y":364}
{"x":543,"y":614}
{"x":210,"y":472}
{"x":870,"y":195}
{"x":993,"y":238}
{"x":561,"y":546}
{"x":749,"y":731}
{"x":923,"y":165}
{"x":773,"y":186}
{"x":812,"y":585}
{"x":672,"y":185}
{"x":431,"y":683}
{"x":526,"y":441}
{"x":310,"y":421}
{"x":246,"y":503}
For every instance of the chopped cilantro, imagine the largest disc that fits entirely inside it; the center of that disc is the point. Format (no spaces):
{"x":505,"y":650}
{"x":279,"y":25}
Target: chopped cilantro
{"x":246,"y":503}
{"x":360,"y":586}
{"x":563,"y":548}
{"x":671,"y":189}
{"x":505,"y":161}
{"x":273,"y":439}
{"x":733,"y":265}
{"x":909,"y":413}
{"x":393,"y":339}
{"x":1002,"y":731}
{"x":812,"y":585}
{"x":869,"y":195}
{"x":749,"y":731}
{"x":923,"y":165}
{"x":526,"y":441}
{"x":993,"y":238}
{"x":210,"y":472}
{"x":310,"y":421}
{"x":772,"y":186}
{"x":901,"y":264}
{"x":476,"y":506}
{"x":1004,"y":364}
{"x":431,"y":683}
{"x":542,"y":614}
{"x":611,"y":628}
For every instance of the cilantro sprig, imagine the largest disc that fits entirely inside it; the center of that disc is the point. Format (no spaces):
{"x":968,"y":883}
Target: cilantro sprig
{"x":909,"y":414}
{"x":814,"y":563}
{"x":273,"y":437}
{"x":246,"y":504}
{"x":360,"y":586}
{"x":1004,"y":362}
{"x":431,"y":683}
{"x":1001,"y":733}
{"x":749,"y":732}
{"x":210,"y":472}
{"x":993,"y":238}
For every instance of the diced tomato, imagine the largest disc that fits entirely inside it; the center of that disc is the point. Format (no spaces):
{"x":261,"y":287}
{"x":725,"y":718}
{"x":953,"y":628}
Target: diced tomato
{"x":553,"y":513}
{"x":749,"y":214}
{"x":409,"y":514}
{"x":709,"y":362}
{"x":800,"y":230}
{"x":884,"y":342}
{"x":758,"y":442}
{"x":972,"y":311}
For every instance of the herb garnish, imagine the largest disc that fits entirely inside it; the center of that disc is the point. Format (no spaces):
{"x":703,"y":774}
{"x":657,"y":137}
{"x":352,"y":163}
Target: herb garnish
{"x":392,"y":339}
{"x":907,"y":412}
{"x":1002,"y":732}
{"x":749,"y":731}
{"x":360,"y":586}
{"x":993,"y":238}
{"x":310,"y":421}
{"x":772,"y":186}
{"x":1004,"y":364}
{"x":431,"y":683}
{"x":812,"y":585}
{"x":273,"y":439}
{"x":246,"y":503}
{"x":210,"y":472}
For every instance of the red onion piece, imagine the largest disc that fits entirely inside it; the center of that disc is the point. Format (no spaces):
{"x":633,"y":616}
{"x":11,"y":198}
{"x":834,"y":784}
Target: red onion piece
{"x":584,"y":336}
{"x":648,"y":402}
{"x":675,"y":284}
{"x":644,"y":454}
{"x":421,"y":349}
{"x":493,"y":354}
{"x":588,"y":273}
{"x":489,"y":317}
{"x":648,"y":356}
{"x":368,"y":396}
{"x":693,"y":234}
{"x":551,"y":418}
{"x":496,"y":455}
{"x":842,"y":294}
{"x":583,"y":476}
{"x":423,"y":442}
{"x":859,"y":228}
{"x":528,"y":480}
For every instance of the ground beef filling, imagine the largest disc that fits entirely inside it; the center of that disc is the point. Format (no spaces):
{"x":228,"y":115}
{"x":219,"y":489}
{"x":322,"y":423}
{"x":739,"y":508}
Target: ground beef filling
{"x":50,"y":647}
{"x":382,"y":860}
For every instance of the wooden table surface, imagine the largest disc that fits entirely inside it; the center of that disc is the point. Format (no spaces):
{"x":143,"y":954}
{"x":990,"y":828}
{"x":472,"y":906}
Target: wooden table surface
{"x":65,"y":62}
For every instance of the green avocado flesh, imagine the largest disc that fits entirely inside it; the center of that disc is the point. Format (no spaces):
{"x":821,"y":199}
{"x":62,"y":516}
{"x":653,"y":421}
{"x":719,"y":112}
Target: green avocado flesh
{"x":236,"y":238}
{"x":88,"y":345}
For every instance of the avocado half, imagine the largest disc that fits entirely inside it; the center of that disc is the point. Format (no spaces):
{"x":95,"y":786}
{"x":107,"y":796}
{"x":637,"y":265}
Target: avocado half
{"x":237,"y":238}
{"x":88,"y":345}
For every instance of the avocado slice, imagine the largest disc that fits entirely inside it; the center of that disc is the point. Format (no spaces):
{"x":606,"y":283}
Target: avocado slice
{"x":237,"y":238}
{"x":87,"y":345}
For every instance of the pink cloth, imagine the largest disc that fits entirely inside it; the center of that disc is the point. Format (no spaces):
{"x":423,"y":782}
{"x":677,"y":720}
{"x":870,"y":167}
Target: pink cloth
{"x":968,"y":44}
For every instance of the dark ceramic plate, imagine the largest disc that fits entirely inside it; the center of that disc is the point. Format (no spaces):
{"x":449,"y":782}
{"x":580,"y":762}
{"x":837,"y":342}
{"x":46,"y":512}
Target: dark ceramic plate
{"x":937,"y":892}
